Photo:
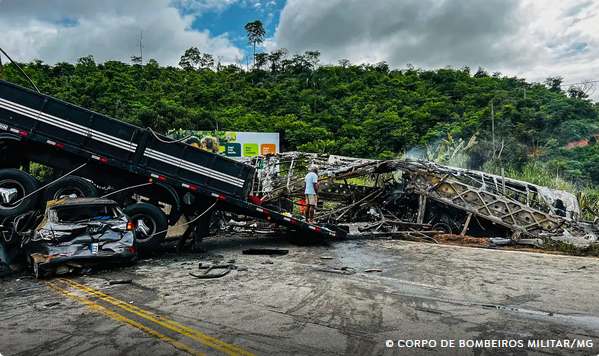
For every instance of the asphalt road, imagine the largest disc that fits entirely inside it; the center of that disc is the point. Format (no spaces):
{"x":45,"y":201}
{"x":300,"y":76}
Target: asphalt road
{"x":285,"y":306}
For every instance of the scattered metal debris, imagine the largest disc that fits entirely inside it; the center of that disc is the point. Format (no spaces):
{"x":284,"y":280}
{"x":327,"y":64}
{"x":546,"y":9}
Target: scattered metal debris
{"x":373,"y":270}
{"x":342,"y":270}
{"x":500,"y":241}
{"x":418,"y":199}
{"x":207,"y":275}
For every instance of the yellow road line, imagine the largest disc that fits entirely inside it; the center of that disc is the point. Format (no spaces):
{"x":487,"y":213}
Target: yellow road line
{"x":169,"y":324}
{"x":124,"y":320}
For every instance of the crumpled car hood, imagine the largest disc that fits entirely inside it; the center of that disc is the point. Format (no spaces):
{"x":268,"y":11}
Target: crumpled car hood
{"x":88,"y":243}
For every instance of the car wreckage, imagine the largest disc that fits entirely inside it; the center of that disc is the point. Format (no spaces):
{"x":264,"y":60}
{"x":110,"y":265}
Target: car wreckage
{"x":70,"y":235}
{"x":421,"y":198}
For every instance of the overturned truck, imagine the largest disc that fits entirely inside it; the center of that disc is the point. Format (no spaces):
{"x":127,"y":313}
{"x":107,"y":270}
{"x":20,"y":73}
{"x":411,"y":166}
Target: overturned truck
{"x":420,"y":196}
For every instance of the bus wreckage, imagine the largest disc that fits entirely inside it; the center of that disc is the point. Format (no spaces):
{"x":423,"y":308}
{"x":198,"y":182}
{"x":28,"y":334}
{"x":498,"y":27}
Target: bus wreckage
{"x":421,"y":199}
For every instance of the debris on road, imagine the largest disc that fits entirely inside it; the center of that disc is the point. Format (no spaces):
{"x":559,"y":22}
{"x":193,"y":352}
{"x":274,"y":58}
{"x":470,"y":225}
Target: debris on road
{"x":373,"y":270}
{"x":51,"y":304}
{"x":208,"y":268}
{"x":342,"y":270}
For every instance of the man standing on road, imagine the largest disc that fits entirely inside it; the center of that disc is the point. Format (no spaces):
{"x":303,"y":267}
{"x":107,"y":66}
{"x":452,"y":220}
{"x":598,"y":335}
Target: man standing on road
{"x":311,"y":191}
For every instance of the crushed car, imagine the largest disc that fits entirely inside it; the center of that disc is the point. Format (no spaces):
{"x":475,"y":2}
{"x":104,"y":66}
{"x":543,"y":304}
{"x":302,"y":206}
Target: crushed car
{"x":74,"y":234}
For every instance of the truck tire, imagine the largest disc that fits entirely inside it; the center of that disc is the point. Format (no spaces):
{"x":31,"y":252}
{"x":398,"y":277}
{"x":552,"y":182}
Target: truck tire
{"x":70,"y":185}
{"x":24,"y":184}
{"x":154,"y":220}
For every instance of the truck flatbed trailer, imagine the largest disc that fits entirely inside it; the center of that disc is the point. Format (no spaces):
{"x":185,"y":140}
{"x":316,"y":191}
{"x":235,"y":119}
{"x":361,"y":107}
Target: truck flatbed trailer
{"x":35,"y":127}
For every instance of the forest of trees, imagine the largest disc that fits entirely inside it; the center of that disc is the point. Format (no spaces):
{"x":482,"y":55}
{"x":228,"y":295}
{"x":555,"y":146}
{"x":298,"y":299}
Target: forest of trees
{"x":366,"y":110}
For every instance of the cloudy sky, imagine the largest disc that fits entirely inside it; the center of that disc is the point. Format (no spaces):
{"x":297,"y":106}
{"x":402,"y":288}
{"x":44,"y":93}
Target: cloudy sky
{"x":528,"y":38}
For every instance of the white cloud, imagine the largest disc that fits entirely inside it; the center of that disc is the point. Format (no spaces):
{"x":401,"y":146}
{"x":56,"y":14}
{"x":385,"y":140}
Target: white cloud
{"x":567,"y":36}
{"x":530,"y":38}
{"x":107,"y":29}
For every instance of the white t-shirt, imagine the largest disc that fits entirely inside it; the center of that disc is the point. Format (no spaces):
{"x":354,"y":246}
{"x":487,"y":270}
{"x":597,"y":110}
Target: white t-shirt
{"x":311,"y":178}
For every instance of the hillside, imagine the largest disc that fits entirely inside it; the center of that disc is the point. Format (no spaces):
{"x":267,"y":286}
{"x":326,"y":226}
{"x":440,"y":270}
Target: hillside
{"x":361,"y":111}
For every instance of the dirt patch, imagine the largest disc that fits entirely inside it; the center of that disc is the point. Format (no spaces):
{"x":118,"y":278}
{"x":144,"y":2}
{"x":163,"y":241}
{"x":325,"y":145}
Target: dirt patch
{"x":559,"y":248}
{"x":565,"y":248}
{"x":531,"y":249}
{"x":461,"y":240}
{"x":550,"y":248}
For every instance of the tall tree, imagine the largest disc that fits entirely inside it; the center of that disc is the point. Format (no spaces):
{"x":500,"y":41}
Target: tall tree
{"x":191,"y":58}
{"x":261,"y":59}
{"x":554,"y":84}
{"x":382,"y":67}
{"x":206,"y":61}
{"x":276,"y":58}
{"x":255,"y":33}
{"x":481,"y":73}
{"x":344,"y":63}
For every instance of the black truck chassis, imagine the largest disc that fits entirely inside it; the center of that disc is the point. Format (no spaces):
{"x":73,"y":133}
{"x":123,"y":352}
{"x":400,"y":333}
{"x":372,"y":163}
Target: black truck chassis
{"x":38,"y":128}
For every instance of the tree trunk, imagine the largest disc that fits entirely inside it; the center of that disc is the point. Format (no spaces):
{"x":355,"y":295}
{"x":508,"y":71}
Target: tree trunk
{"x":254,"y":54}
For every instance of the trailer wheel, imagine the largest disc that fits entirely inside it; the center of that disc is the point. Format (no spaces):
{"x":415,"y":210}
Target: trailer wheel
{"x":148,"y":220}
{"x":14,"y":185}
{"x":71,"y":185}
